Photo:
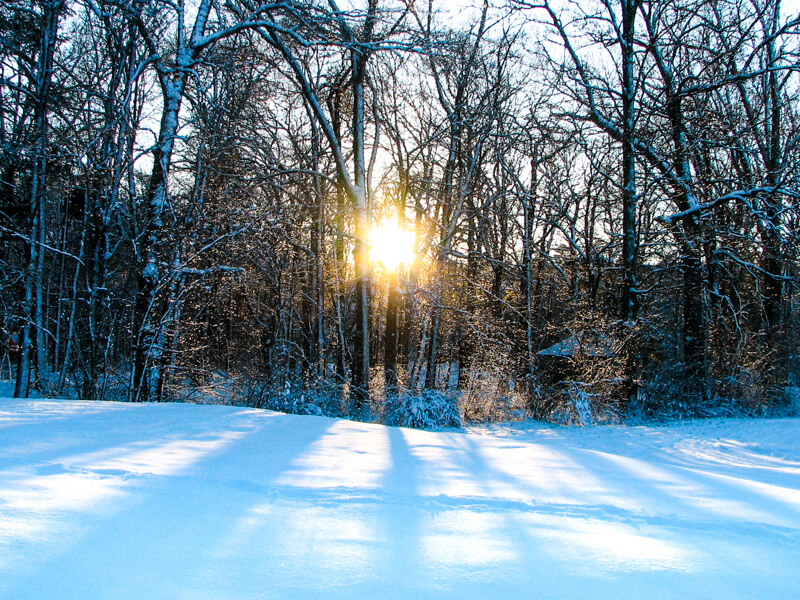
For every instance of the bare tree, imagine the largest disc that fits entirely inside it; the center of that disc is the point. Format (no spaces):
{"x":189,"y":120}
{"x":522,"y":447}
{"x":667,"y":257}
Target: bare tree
{"x":361,"y":35}
{"x":36,"y":75}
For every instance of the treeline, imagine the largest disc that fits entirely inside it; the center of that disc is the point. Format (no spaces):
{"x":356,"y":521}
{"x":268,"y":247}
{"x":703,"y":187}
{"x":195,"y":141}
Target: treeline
{"x":604,"y":197}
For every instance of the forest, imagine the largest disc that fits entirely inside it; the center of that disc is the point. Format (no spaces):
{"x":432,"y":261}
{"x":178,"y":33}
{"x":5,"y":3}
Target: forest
{"x":409,"y":212}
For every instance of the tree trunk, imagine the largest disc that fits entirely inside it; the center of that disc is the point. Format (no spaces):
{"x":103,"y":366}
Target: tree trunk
{"x":630,"y":297}
{"x":390,"y":337}
{"x":773,"y":262}
{"x":33,"y":328}
{"x":361,"y":358}
{"x":629,"y":294}
{"x":695,"y":328}
{"x":149,"y":305}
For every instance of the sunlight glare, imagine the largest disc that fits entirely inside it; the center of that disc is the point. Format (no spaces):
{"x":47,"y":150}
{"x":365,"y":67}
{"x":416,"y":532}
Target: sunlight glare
{"x":390,"y":245}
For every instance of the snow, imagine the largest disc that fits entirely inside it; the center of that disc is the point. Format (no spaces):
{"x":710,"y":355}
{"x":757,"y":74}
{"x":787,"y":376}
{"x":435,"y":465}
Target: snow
{"x":178,"y":501}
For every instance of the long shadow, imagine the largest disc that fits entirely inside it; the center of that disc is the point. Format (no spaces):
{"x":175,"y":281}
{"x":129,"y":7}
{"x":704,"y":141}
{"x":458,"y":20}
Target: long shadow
{"x":248,"y":504}
{"x":402,"y":518}
{"x":95,"y":495}
{"x":708,"y":499}
{"x":654,"y":506}
{"x":562,"y":525}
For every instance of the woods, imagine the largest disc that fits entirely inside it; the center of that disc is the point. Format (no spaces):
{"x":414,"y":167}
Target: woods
{"x":603,"y":198}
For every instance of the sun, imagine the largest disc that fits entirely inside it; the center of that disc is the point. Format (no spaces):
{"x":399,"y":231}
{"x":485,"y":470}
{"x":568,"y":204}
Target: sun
{"x":391,"y":246}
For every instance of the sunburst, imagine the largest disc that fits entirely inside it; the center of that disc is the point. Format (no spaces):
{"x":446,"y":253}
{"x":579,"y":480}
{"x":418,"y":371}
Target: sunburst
{"x":391,"y":246}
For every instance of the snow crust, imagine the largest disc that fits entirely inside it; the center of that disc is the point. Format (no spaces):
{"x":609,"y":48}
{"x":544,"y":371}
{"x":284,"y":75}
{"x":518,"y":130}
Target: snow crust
{"x":179,"y":501}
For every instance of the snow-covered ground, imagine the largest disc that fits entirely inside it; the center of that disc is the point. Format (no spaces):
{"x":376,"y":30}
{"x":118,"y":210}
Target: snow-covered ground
{"x":177,"y":501}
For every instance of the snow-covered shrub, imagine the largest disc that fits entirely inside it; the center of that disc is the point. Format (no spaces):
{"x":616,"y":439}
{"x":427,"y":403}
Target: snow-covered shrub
{"x":293,"y":396}
{"x":110,"y":384}
{"x":294,"y":404}
{"x":320,"y":399}
{"x":492,"y":396}
{"x":328,"y":396}
{"x":214,"y":387}
{"x":793,"y":393}
{"x":423,"y":410}
{"x":741,"y":384}
{"x":591,"y":373}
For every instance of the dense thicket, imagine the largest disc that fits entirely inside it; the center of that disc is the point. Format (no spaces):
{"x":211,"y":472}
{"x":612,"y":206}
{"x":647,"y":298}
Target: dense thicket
{"x":604,"y":197}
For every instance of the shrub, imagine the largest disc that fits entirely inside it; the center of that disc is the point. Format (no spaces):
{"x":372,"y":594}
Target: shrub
{"x":423,"y":410}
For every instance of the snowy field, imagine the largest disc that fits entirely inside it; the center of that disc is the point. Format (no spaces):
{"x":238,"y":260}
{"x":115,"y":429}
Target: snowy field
{"x":178,"y":501}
